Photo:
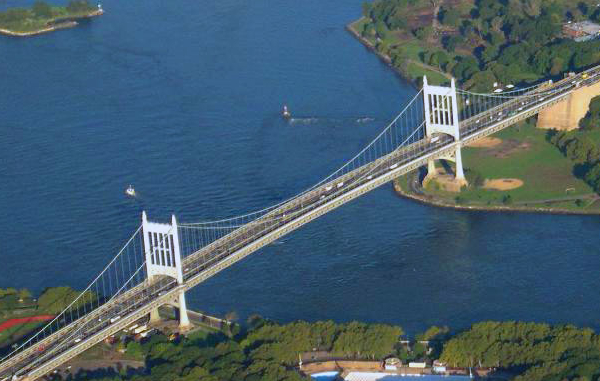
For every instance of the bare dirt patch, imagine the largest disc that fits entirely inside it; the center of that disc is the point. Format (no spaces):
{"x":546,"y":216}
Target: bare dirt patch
{"x":446,"y":181}
{"x":502,"y":184}
{"x":507,"y":148}
{"x":485,"y":142}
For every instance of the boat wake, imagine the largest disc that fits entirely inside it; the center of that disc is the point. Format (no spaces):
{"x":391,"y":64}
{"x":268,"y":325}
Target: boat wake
{"x":314,"y":119}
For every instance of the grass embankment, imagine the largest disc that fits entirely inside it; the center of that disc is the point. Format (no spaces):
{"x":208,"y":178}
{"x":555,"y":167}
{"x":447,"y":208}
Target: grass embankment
{"x":42,"y":17}
{"x":523,"y":153}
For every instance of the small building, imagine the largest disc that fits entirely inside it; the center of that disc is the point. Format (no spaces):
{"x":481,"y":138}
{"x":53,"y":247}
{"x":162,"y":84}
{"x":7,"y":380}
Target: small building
{"x":439,"y":367}
{"x":581,"y":31}
{"x":393,"y":363}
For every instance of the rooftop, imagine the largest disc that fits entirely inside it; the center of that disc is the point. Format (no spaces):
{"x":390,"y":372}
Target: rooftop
{"x":587,"y":27}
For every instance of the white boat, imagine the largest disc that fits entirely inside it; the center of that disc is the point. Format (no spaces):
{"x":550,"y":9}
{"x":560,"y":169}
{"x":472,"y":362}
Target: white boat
{"x":130,"y":191}
{"x":286,"y":113}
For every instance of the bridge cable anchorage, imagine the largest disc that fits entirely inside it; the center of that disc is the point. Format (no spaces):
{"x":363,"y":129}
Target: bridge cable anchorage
{"x":376,"y":144}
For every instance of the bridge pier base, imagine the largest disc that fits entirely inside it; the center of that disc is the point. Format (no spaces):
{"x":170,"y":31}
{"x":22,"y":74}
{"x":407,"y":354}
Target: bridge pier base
{"x":154,"y":316}
{"x":184,"y":321}
{"x":459,"y":176}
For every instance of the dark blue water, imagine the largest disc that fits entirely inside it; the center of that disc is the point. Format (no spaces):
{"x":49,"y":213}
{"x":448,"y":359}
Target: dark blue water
{"x":182,"y":99}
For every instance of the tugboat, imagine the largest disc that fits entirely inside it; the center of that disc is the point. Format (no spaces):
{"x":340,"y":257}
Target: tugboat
{"x":286,"y":113}
{"x":130,"y":191}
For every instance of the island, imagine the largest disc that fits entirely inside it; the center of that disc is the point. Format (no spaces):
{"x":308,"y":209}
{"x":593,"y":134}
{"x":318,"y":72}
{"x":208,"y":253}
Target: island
{"x":488,"y":45}
{"x":43,"y":18}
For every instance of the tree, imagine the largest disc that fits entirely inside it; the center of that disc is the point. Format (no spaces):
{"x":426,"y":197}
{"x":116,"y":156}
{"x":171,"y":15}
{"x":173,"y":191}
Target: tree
{"x":451,"y":42}
{"x":76,"y":6}
{"x":24,"y":294}
{"x":592,"y":118}
{"x":423,"y":33}
{"x":41,"y":9}
{"x":532,"y":8}
{"x":381,"y":29}
{"x":490,"y":53}
{"x":450,"y":17}
{"x":366,"y":9}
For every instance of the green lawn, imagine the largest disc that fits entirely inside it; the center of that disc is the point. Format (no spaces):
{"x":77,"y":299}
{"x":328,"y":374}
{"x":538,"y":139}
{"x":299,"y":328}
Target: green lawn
{"x":524,"y":154}
{"x":433,"y":77}
{"x":13,"y":334}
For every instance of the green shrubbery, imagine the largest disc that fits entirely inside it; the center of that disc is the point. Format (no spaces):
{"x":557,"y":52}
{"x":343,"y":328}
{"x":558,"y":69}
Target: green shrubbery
{"x":592,"y":119}
{"x":539,"y":351}
{"x":583,"y":151}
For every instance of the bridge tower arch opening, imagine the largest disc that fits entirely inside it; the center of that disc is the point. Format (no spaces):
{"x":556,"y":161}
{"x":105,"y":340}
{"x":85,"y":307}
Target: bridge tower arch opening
{"x":441,"y":117}
{"x":163,"y":257}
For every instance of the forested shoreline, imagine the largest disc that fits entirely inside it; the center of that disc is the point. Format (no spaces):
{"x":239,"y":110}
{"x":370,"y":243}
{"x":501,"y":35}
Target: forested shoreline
{"x":480,"y":42}
{"x":265,"y":350}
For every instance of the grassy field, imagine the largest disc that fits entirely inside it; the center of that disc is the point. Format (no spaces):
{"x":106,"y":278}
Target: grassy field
{"x":523,"y":154}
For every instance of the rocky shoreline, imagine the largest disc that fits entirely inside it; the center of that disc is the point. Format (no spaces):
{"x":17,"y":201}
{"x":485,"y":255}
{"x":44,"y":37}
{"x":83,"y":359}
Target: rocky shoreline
{"x":430,"y":201}
{"x":385,"y":58}
{"x":69,"y":22}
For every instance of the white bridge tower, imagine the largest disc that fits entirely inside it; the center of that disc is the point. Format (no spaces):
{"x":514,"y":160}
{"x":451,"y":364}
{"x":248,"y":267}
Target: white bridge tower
{"x":441,"y":117}
{"x":163,"y":257}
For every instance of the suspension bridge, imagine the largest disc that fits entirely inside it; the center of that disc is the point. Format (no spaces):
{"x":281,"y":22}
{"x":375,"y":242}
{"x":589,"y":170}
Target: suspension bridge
{"x":161,"y":261}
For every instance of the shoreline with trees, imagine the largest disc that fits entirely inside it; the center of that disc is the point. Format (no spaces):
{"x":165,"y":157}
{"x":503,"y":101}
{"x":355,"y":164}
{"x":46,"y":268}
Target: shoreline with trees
{"x":510,"y":42}
{"x":43,"y":18}
{"x":266,"y":350}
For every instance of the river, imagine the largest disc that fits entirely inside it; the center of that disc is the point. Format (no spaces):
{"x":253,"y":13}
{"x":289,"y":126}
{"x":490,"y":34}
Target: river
{"x":183,"y":99}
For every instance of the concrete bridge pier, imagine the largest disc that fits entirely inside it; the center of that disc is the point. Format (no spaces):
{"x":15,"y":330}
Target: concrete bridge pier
{"x":566,"y":115}
{"x":459,"y":175}
{"x":154,"y":316}
{"x":184,"y":321}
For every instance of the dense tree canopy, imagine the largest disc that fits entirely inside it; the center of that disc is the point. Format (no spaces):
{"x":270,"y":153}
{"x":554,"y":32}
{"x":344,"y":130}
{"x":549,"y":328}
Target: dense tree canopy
{"x":543,"y":351}
{"x":516,"y":41}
